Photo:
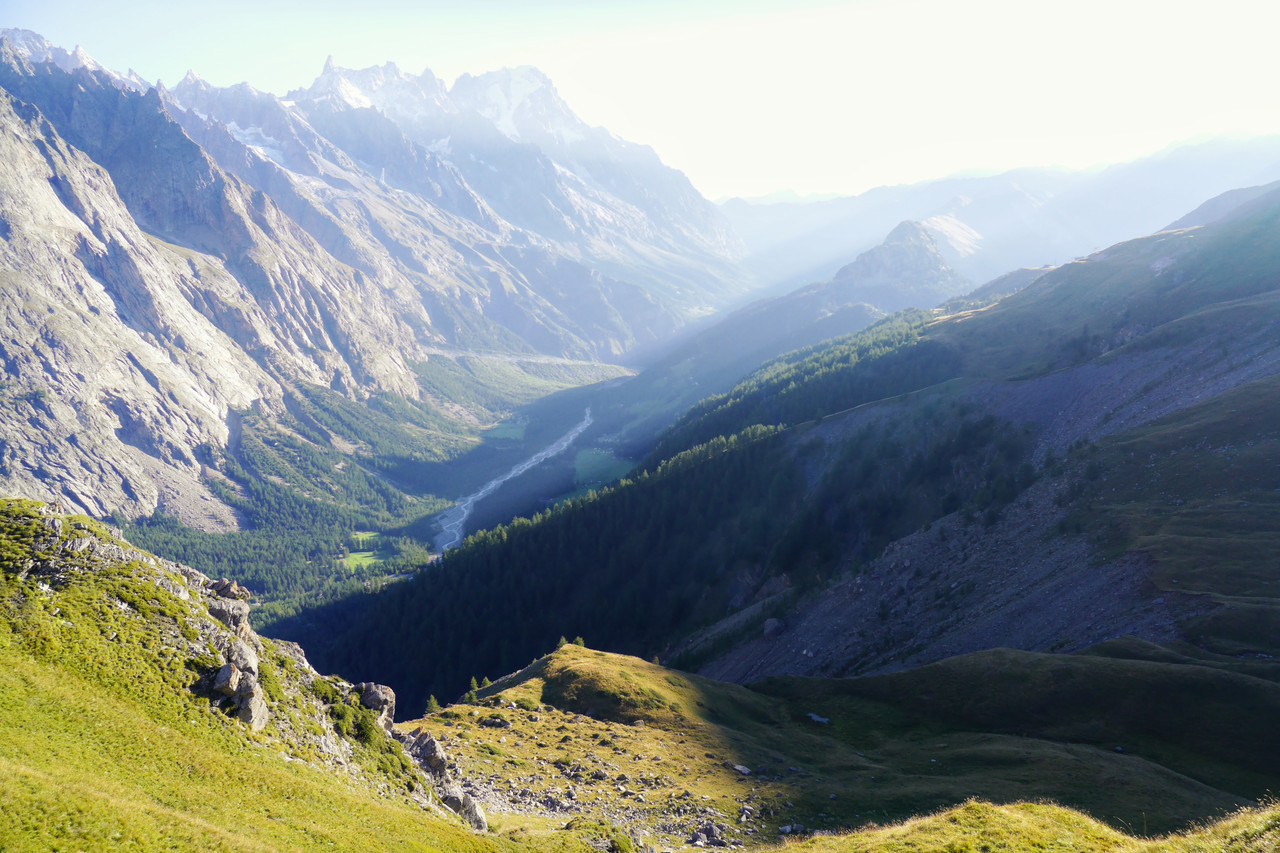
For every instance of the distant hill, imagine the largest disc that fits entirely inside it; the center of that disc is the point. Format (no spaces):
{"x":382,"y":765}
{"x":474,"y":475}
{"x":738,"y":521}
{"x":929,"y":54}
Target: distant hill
{"x":906,"y":270}
{"x":988,"y":226}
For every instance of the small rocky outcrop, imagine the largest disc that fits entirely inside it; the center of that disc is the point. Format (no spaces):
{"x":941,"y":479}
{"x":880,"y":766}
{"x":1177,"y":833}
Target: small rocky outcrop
{"x":380,"y":698}
{"x":708,"y":834}
{"x":431,"y":756}
{"x":234,"y":613}
{"x":428,"y":752}
{"x":243,"y":655}
{"x":227,"y":681}
{"x":473,"y":814}
{"x":235,"y":684}
{"x":252,"y":709}
{"x":225,"y":588}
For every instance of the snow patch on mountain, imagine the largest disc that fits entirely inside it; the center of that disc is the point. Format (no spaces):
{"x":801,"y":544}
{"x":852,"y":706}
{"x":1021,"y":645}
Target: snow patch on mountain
{"x":402,"y":97}
{"x":506,"y":94}
{"x":256,"y":139}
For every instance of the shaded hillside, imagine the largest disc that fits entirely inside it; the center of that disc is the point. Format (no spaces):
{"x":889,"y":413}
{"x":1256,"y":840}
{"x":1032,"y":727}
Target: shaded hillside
{"x":929,"y":467}
{"x":906,"y":270}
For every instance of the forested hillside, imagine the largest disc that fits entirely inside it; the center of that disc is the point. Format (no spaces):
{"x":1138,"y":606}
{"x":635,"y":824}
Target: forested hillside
{"x":808,"y":470}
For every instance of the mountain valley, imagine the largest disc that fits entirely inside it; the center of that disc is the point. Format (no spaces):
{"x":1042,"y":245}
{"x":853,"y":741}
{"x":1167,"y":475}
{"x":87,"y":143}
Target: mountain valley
{"x":941,"y":517}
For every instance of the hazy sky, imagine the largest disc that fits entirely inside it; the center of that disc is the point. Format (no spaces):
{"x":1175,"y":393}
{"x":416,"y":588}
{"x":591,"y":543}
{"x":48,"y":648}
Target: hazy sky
{"x":751,"y":97}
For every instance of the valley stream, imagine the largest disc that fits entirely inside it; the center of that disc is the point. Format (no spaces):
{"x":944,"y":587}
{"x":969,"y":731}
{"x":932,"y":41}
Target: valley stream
{"x":453,"y":520}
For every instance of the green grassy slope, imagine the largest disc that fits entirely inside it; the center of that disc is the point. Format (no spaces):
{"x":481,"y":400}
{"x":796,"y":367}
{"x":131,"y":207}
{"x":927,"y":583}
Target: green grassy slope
{"x":84,"y":768}
{"x":106,"y":744}
{"x":1002,"y":727}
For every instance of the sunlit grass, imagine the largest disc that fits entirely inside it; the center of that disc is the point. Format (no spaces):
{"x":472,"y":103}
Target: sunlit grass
{"x":884,"y":756}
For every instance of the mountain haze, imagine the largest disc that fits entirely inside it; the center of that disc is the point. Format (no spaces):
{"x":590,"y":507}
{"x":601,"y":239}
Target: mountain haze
{"x":906,"y":270}
{"x":990,"y":225}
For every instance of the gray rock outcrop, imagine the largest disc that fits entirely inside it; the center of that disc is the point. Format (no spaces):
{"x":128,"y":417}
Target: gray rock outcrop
{"x":708,"y":834}
{"x":431,"y":756}
{"x":227,"y":681}
{"x":473,"y":814}
{"x":253,"y":711}
{"x":226,"y":588}
{"x":380,"y":698}
{"x":243,"y":656}
{"x":234,"y":613}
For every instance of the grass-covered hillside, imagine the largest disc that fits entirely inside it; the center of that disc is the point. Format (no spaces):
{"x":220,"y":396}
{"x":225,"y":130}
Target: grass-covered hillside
{"x":585,"y":738}
{"x":113,"y":738}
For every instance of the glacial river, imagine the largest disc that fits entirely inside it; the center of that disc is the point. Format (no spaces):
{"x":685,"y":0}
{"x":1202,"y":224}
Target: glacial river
{"x":454,"y":519}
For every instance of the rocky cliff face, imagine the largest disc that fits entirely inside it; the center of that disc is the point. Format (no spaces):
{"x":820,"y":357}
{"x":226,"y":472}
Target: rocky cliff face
{"x":172,"y":258}
{"x":111,"y":374}
{"x":601,"y":200}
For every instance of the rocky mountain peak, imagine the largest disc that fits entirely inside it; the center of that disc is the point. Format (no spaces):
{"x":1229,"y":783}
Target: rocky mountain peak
{"x":521,"y":102}
{"x":384,"y":87}
{"x":191,"y":80}
{"x":908,"y":248}
{"x":36,"y":49}
{"x":906,"y":270}
{"x":910,"y":232}
{"x":182,"y":234}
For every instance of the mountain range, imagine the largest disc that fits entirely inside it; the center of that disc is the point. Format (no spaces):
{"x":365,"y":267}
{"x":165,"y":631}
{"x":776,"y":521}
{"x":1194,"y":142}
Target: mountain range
{"x":443,"y":253}
{"x":226,"y":247}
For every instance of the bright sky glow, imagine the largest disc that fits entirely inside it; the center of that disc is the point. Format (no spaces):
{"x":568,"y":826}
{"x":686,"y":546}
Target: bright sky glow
{"x":753,"y":97}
